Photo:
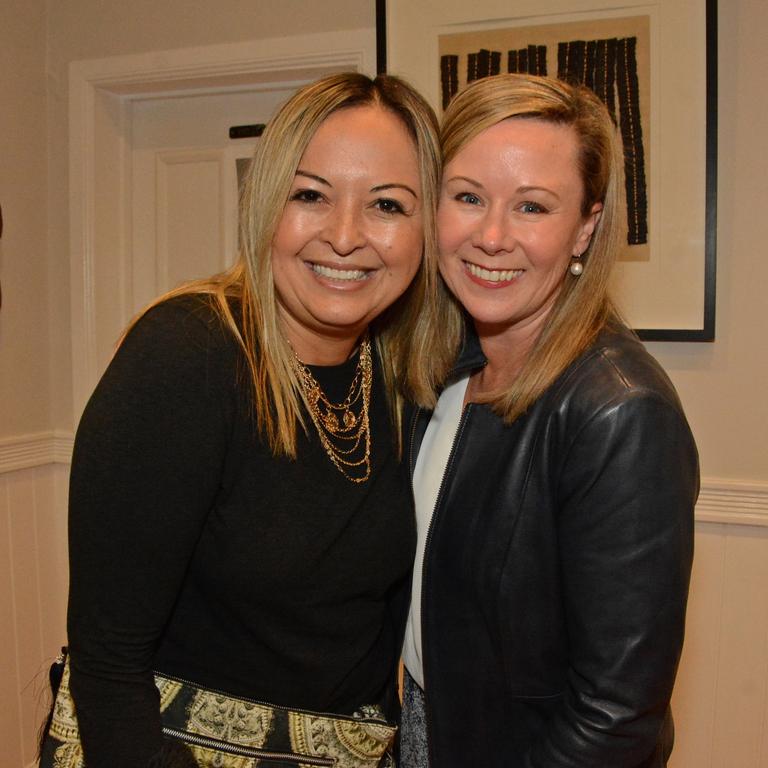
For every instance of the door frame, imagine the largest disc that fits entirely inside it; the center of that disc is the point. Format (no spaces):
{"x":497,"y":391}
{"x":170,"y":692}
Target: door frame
{"x":101,"y":93}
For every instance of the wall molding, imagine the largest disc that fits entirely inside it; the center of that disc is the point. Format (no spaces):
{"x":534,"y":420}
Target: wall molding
{"x":36,"y":450}
{"x":731,"y":502}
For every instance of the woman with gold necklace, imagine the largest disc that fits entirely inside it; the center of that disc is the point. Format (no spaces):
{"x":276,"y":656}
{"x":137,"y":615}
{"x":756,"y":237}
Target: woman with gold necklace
{"x":241,"y":527}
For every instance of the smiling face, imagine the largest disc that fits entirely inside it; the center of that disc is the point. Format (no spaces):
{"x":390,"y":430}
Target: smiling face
{"x":509,"y":222}
{"x":350,"y":238}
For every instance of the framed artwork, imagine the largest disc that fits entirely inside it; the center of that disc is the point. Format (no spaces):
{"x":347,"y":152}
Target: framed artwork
{"x":654,"y":64}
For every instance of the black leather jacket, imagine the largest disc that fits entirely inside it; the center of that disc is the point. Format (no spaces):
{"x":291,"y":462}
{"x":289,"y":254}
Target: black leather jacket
{"x":556,"y":571}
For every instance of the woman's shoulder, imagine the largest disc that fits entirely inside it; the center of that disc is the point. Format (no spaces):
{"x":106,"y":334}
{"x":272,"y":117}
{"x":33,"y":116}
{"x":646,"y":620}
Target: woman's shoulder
{"x":194,"y":309}
{"x":183,"y":340}
{"x":616,"y":368}
{"x":176,"y":352}
{"x":183,"y":321}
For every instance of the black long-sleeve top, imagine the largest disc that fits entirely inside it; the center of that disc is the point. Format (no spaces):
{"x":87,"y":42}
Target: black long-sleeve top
{"x":197,"y":553}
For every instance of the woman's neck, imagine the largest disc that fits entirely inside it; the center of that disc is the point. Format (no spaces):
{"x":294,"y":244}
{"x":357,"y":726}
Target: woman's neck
{"x":506,"y":350}
{"x":315,"y":348}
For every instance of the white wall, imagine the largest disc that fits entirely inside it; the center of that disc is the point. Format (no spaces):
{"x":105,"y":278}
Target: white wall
{"x":721,"y":698}
{"x":724,"y":385}
{"x":24,"y":319}
{"x":31,"y":520}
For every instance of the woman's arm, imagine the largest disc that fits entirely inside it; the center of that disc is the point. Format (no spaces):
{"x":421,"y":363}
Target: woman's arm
{"x":145,"y":472}
{"x":627,"y":494}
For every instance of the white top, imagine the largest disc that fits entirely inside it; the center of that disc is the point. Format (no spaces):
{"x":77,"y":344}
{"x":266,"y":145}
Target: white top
{"x":427,"y":477}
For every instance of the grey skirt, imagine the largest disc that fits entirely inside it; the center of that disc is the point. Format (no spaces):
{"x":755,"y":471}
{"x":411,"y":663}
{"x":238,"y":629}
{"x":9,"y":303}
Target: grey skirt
{"x":413,"y":727}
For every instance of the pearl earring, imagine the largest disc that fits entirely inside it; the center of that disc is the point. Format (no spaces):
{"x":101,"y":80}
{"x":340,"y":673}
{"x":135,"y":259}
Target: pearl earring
{"x":576,"y":267}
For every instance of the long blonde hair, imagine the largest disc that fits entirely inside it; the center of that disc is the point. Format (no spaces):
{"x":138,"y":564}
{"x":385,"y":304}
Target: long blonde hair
{"x":400,"y":333}
{"x":583,"y":306}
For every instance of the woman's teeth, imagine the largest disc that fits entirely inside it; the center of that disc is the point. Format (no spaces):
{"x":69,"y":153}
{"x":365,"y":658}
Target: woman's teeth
{"x":494,"y":275}
{"x":339,"y":274}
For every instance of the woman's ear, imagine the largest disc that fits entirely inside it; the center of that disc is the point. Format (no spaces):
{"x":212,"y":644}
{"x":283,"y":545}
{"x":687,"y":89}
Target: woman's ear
{"x":587,"y":228}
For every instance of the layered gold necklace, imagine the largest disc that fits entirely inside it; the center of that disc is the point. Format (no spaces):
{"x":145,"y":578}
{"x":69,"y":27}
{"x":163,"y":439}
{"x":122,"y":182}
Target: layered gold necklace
{"x":343,"y":428}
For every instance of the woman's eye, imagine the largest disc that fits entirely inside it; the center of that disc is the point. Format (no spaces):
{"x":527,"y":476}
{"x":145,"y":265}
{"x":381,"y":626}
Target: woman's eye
{"x":388,"y":205}
{"x":530,"y":207}
{"x":307,"y":196}
{"x":468,"y":197}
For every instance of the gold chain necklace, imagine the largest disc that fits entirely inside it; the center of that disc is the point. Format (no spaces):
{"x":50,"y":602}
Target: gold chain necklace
{"x":343,"y":433}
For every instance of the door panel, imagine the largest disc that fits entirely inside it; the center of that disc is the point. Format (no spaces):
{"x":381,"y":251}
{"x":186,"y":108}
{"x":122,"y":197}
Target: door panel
{"x":184,"y":184}
{"x":193,"y":215}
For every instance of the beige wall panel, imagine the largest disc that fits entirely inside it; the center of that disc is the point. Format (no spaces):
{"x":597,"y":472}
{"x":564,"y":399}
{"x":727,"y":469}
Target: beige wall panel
{"x":742,"y":669}
{"x":693,"y":702}
{"x":51,"y":491}
{"x":23,"y":514}
{"x":116,"y":27}
{"x":763,"y":760}
{"x":24,"y":351}
{"x":10,"y":700}
{"x":33,"y":588}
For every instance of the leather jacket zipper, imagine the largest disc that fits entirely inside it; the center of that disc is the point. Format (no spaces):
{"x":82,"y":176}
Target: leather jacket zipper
{"x":411,"y":457}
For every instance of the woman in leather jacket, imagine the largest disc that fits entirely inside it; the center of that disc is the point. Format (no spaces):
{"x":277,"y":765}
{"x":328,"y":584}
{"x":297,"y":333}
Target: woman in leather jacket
{"x":556,"y":478}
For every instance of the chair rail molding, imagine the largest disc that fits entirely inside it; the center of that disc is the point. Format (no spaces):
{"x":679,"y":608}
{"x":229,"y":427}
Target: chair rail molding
{"x":734,"y":502}
{"x":35,"y":450}
{"x":722,"y":500}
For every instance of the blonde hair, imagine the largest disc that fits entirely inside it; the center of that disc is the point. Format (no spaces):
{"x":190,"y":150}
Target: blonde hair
{"x":583,"y":306}
{"x":400,"y":333}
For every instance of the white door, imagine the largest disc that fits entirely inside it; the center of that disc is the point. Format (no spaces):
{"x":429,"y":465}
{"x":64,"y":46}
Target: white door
{"x":184,"y":189}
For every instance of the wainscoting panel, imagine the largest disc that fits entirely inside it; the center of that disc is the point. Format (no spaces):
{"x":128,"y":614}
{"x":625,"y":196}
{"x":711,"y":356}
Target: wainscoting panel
{"x":54,"y":569}
{"x":694,"y":697}
{"x":10,"y":723}
{"x":743,"y":664}
{"x":721,"y":697}
{"x":33,"y":592}
{"x":23,"y":523}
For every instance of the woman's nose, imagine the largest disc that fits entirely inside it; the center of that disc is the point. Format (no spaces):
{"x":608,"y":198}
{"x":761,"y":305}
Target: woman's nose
{"x":494,"y":233}
{"x":344,"y":229}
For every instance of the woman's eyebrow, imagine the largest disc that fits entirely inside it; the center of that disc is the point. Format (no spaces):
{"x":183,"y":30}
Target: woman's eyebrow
{"x":393,"y":185}
{"x":520,"y":190}
{"x":474,"y":183}
{"x":314,"y":176}
{"x":524,"y":190}
{"x":377,"y":188}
